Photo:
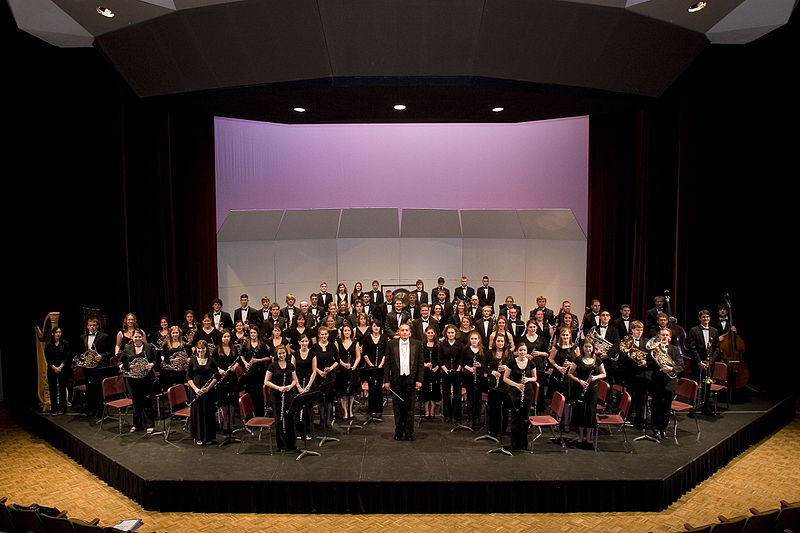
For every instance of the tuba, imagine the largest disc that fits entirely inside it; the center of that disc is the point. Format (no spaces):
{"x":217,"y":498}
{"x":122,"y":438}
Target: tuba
{"x":660,"y":356}
{"x":634,"y":352}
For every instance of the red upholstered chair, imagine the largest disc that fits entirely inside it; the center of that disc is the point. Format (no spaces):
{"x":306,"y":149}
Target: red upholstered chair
{"x":115,"y":396}
{"x":553,"y":420}
{"x":685,"y":400}
{"x":251,"y":422}
{"x":615,"y":420}
{"x":720,"y":377}
{"x":603,"y":388}
{"x":178,"y":408}
{"x":687,"y":365}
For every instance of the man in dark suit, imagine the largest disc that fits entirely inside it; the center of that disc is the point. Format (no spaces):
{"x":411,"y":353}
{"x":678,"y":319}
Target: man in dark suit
{"x":220,"y":318}
{"x":324,"y":298}
{"x":503,"y":311}
{"x":372,"y":310}
{"x":375,"y":294}
{"x":549,"y":316}
{"x":474,"y":311}
{"x":609,"y":356}
{"x":413,"y":306}
{"x":447,"y":307}
{"x":486,"y":294}
{"x":402,"y":374}
{"x":422,"y":296}
{"x":485,"y":325}
{"x":263,"y":313}
{"x":515,"y":326}
{"x":289,"y":313}
{"x":316,"y":312}
{"x":702,"y":343}
{"x":651,"y":317}
{"x":273,"y":319}
{"x":103,"y":344}
{"x":440,"y":287}
{"x":419,"y":325}
{"x":664,"y":385}
{"x":245,"y":313}
{"x":624,"y":322}
{"x":722,"y":323}
{"x":638,"y":376}
{"x":591,"y":317}
{"x":395,"y":318}
{"x":464,"y":292}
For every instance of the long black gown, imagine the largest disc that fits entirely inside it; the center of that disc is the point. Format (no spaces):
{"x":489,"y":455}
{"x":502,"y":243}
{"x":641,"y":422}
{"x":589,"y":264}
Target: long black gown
{"x":304,"y":370}
{"x":284,"y":425}
{"x":203,"y":410}
{"x":372,"y":374}
{"x":431,"y":390}
{"x":584,"y":403}
{"x":521,"y":409}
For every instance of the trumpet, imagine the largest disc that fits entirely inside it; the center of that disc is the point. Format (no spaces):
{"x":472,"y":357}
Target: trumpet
{"x":660,"y":356}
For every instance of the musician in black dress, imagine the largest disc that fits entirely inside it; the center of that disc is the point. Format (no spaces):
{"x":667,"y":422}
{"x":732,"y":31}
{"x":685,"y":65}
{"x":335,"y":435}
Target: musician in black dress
{"x":562,"y":355}
{"x":431,"y":391}
{"x":300,"y":329}
{"x":227,"y":394}
{"x":585,"y":373}
{"x":254,"y":358}
{"x":174,"y":360}
{"x":373,"y":352}
{"x":125,"y":335}
{"x":305,"y":364}
{"x":136,"y":362}
{"x":327,"y":354}
{"x":189,"y":327}
{"x":161,"y":335}
{"x":59,"y":358}
{"x":519,"y":376}
{"x":449,"y":366}
{"x":203,"y":373}
{"x":347,"y":383}
{"x":472,"y":378}
{"x":207,"y":332}
{"x":536,"y":349}
{"x":282,"y":379}
{"x":494,"y":366}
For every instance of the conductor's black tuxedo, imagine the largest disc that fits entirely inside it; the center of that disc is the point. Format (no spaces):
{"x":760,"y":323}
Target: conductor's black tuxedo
{"x":404,"y":385}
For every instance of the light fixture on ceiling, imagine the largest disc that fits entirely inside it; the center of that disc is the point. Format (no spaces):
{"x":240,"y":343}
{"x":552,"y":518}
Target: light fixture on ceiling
{"x":694,"y":8}
{"x":300,"y":109}
{"x":497,"y":109}
{"x":400,"y":107}
{"x":105,"y":12}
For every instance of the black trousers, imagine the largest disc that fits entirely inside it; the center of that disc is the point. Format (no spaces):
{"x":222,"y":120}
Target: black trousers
{"x":405,"y":387}
{"x":57,"y":382}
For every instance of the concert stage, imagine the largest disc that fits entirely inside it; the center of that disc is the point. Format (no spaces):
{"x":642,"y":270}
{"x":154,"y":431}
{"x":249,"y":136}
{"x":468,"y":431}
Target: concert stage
{"x":440,"y":472}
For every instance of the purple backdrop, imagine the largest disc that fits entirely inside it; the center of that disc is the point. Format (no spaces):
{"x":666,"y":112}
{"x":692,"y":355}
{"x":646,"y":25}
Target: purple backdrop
{"x":533,"y":165}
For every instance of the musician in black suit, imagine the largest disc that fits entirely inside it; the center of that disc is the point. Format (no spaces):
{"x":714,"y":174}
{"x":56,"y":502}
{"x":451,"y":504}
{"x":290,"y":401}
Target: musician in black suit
{"x":664,"y":382}
{"x":440,"y":287}
{"x":245,"y":313}
{"x":422,"y":296}
{"x":515,"y":326}
{"x":413,"y":306}
{"x":485,"y":294}
{"x":372,"y":310}
{"x":220,"y":318}
{"x":395,"y":319}
{"x":103,"y":344}
{"x":503,"y":311}
{"x":375,"y":294}
{"x":624,"y":322}
{"x":403,"y":374}
{"x":651,"y":317}
{"x":637,"y":375}
{"x":702,"y":343}
{"x":609,"y":356}
{"x":485,"y":325}
{"x":273,"y":319}
{"x":591,"y":317}
{"x":447,"y":307}
{"x":723,"y":322}
{"x":289,"y":313}
{"x":315,"y":312}
{"x":263,"y":313}
{"x":549,"y":316}
{"x":324,"y":298}
{"x":474,"y":311}
{"x":464,"y":292}
{"x":419,"y":325}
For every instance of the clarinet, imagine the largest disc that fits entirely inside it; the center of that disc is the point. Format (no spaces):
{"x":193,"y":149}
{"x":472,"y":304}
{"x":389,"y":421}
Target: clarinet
{"x":303,"y":409}
{"x":283,"y":400}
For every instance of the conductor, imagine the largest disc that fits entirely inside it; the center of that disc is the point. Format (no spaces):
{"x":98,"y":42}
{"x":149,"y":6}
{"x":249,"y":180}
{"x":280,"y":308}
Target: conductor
{"x":402,"y":375}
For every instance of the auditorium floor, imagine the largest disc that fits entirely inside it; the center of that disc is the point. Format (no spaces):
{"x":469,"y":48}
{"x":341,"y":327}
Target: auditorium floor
{"x":31,"y":471}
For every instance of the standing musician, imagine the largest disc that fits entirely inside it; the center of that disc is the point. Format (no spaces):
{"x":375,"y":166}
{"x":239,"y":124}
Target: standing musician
{"x":420,"y":325}
{"x":305,"y":364}
{"x":592,"y":317}
{"x":485,"y":325}
{"x":221,"y":319}
{"x":227,"y":395}
{"x":207,"y":332}
{"x":486,"y":294}
{"x":665,"y":381}
{"x":125,"y":334}
{"x":99,"y":346}
{"x":562,"y":357}
{"x":464,"y":292}
{"x":431,"y":391}
{"x":245,"y":313}
{"x":290,"y":312}
{"x":610,"y":354}
{"x":588,"y":368}
{"x":472,"y":378}
{"x":175,"y":357}
{"x":403,"y":374}
{"x":651,"y":323}
{"x":422,"y":296}
{"x":203,"y":373}
{"x":254,"y":358}
{"x":372,"y":350}
{"x":624,"y":322}
{"x":638,"y":377}
{"x":494,"y":366}
{"x":395,"y":318}
{"x":536,"y":350}
{"x":327,"y":354}
{"x":349,"y":360}
{"x":520,"y":374}
{"x":57,"y":355}
{"x":703,"y":346}
{"x":189,"y":327}
{"x":440,"y":287}
{"x":137,"y":361}
{"x":515,"y":326}
{"x":282,"y":378}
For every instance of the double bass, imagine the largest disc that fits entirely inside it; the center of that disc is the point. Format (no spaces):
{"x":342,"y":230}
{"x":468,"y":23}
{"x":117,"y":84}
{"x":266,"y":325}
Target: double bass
{"x":731,"y":348}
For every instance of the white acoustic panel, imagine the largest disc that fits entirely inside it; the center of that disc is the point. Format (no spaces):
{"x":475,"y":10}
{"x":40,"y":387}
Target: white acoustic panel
{"x":750,"y":20}
{"x":367,"y":259}
{"x":425,"y":223}
{"x":309,"y":224}
{"x":255,"y":225}
{"x":306,"y":263}
{"x":372,"y":222}
{"x":243,"y":263}
{"x":50,"y":23}
{"x":488,"y":224}
{"x":550,"y":224}
{"x":427,"y":259}
{"x":500,"y":259}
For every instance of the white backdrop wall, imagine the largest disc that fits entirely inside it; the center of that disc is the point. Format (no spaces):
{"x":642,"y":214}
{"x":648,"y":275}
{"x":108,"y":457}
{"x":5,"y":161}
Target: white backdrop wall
{"x":523,"y":268}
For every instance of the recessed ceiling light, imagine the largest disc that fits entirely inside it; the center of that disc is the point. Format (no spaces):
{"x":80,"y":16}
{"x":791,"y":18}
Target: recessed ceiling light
{"x":300,"y":109}
{"x":105,"y":11}
{"x":694,"y":8}
{"x":497,"y":109}
{"x":400,"y":107}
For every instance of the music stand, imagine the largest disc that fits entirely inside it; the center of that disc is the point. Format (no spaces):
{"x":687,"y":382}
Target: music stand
{"x":644,"y":435}
{"x":505,"y":403}
{"x":324,"y":390}
{"x":461,"y":379}
{"x":303,"y":402}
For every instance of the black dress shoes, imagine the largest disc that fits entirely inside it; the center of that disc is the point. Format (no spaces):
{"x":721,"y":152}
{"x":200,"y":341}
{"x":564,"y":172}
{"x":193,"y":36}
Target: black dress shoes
{"x":409,"y":437}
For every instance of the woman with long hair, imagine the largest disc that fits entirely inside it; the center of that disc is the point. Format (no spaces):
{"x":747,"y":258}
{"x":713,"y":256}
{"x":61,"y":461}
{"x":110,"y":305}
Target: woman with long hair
{"x":305,"y":364}
{"x":203,"y":373}
{"x":431,"y":391}
{"x":326,"y":352}
{"x":372,"y":351}
{"x":349,"y":359}
{"x":57,"y":355}
{"x":585,"y":373}
{"x":520,"y":374}
{"x":281,"y":378}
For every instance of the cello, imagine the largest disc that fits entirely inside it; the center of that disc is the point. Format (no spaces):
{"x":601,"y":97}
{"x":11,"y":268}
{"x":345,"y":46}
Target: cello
{"x":731,"y":348}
